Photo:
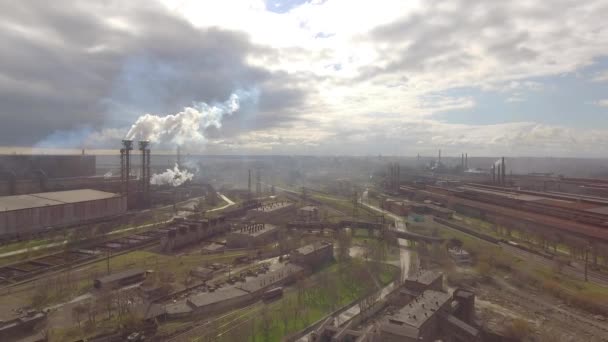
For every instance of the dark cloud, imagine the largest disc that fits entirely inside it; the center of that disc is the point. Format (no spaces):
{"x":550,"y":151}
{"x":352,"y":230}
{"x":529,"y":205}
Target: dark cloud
{"x":103,"y":64}
{"x":438,"y":37}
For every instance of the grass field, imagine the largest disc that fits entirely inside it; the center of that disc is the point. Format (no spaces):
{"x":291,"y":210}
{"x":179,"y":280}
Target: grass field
{"x":345,"y":205}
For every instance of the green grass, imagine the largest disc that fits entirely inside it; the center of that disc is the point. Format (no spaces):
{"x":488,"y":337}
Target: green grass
{"x":345,"y":205}
{"x":318,"y":301}
{"x":327,"y":290}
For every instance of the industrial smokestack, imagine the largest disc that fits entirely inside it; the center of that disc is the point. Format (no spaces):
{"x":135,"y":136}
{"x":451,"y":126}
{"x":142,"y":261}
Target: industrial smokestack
{"x":249,"y":184}
{"x":439,"y":157}
{"x":503,"y":171}
{"x":125,"y":154}
{"x":493,"y":173}
{"x":466,"y":161}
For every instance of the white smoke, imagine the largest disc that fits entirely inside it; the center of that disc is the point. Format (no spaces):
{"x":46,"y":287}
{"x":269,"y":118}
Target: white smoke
{"x":187,"y":125}
{"x":175,"y":177}
{"x":107,"y":175}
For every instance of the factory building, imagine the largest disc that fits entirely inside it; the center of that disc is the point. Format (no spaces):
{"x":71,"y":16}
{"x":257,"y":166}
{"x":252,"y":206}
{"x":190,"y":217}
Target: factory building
{"x":308,"y":214}
{"x":284,"y":275}
{"x":218,"y":301}
{"x":424,"y":280}
{"x":250,"y":235}
{"x":53,"y":166}
{"x":314,"y":254}
{"x":120,"y":279}
{"x":417,"y":321}
{"x":21,"y":215}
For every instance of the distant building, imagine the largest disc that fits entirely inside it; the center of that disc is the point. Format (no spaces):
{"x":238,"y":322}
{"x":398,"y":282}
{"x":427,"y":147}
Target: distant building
{"x":26,"y":214}
{"x":417,"y":321}
{"x":401,"y":208}
{"x":284,"y":275}
{"x":202,"y":273}
{"x":314,"y":254}
{"x":120,"y":279}
{"x":250,"y":235}
{"x":218,"y":301}
{"x":11,"y":330}
{"x":460,"y":256}
{"x":308,"y":214}
{"x":424,"y":280}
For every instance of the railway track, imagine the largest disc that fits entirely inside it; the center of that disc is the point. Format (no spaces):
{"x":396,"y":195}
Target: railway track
{"x":203,"y":327}
{"x":545,"y":260}
{"x":85,"y":253}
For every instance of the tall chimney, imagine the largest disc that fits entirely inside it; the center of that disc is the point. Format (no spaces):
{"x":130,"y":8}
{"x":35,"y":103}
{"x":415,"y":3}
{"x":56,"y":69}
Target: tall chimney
{"x":504,"y":172}
{"x":439,"y":158}
{"x":493,"y":173}
{"x":466,"y":161}
{"x":249,"y":183}
{"x":126,"y":163}
{"x":462,"y":160}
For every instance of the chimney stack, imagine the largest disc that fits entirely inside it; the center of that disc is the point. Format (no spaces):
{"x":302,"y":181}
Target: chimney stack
{"x":466,"y":161}
{"x":504,"y":172}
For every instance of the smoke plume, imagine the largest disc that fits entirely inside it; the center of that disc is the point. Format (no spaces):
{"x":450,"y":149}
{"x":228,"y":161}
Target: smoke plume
{"x":187,"y":125}
{"x":175,"y":177}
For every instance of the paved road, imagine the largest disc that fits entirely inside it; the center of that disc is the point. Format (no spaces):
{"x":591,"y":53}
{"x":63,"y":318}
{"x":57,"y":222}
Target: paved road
{"x":405,"y":259}
{"x":405,"y":256}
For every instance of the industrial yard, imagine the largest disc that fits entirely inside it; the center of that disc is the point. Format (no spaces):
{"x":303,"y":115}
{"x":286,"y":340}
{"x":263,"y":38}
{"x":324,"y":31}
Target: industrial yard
{"x":412,"y":255}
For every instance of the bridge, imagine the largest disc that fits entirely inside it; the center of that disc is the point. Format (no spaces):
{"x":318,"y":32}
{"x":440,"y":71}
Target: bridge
{"x":417,"y":237}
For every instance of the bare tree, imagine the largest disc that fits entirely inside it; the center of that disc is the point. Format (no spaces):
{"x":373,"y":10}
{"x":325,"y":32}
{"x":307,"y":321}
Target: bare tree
{"x":344,"y":245}
{"x":78,"y":311}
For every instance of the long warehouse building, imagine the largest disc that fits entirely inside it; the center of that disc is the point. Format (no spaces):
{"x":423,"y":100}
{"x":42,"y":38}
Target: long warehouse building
{"x":21,"y":215}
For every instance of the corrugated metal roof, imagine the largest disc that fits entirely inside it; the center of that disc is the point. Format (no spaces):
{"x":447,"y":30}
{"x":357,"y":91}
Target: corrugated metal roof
{"x":208,"y":298}
{"x":18,"y":202}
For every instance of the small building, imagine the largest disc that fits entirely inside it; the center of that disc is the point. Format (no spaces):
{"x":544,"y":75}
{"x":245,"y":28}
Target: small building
{"x":9,"y":330}
{"x":178,"y":310}
{"x":308,"y":214}
{"x":424,"y":280}
{"x":120,"y":279}
{"x":460,"y":256}
{"x":417,"y":321}
{"x":401,"y":208}
{"x":251,"y":235}
{"x":284,"y":275}
{"x":218,"y":301}
{"x":202,"y":273}
{"x":313,"y":255}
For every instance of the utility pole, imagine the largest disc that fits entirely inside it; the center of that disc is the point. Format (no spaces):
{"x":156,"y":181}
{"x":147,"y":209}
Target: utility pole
{"x":355,"y":205}
{"x":586,"y":262}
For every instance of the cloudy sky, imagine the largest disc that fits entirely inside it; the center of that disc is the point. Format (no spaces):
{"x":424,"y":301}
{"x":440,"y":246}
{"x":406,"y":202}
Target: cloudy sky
{"x":388,"y":77}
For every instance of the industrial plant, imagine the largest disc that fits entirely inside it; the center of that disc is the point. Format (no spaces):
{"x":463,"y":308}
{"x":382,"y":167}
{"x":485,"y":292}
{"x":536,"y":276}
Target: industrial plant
{"x":183,"y":248}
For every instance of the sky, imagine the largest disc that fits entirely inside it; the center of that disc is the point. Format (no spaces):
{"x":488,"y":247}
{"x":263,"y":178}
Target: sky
{"x":390,"y":77}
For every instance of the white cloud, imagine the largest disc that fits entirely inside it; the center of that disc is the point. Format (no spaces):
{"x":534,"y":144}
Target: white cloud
{"x":391,"y":58}
{"x":601,"y":76}
{"x":602,"y":103}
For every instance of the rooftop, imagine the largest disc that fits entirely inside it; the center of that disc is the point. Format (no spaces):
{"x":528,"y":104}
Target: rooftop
{"x":18,"y":202}
{"x":312,"y":247}
{"x":425,"y":277}
{"x":264,"y":228}
{"x":121,"y":275}
{"x":208,"y":298}
{"x":419,"y":310}
{"x":270,"y":278}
